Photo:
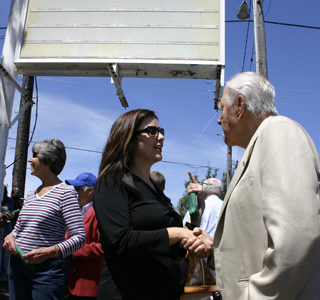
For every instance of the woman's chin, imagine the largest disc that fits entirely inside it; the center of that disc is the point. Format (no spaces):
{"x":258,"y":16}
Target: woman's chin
{"x":158,"y":157}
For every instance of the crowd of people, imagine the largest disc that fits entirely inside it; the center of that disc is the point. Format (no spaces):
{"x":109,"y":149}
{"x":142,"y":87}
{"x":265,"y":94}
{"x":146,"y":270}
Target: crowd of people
{"x":118,"y":236}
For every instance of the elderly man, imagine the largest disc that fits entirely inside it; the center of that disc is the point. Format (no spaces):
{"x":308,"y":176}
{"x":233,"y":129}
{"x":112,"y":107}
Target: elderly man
{"x":85,"y":265}
{"x":210,"y":191}
{"x":267,"y":241}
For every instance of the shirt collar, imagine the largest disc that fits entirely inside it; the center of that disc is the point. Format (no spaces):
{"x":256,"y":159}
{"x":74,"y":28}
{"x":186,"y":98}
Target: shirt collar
{"x":85,"y":208}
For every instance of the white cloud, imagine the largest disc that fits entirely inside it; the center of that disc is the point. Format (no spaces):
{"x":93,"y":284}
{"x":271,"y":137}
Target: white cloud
{"x":76,"y":125}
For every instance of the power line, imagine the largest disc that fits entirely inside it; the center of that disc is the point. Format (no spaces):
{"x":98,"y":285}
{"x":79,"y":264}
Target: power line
{"x":276,"y":23}
{"x":300,"y":91}
{"x":164,"y":85}
{"x":268,"y":9}
{"x":163,"y":161}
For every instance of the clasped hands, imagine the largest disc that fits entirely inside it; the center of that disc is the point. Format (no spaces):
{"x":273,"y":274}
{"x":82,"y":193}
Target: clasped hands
{"x":200,"y":244}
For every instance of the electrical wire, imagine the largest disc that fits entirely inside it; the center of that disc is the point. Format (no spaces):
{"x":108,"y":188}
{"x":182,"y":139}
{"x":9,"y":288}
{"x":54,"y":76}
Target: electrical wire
{"x":204,"y":128}
{"x":264,"y":15}
{"x":276,"y":23}
{"x":162,"y":161}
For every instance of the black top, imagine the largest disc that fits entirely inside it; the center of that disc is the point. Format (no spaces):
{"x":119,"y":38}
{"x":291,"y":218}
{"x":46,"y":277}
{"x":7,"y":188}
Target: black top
{"x":139,"y":264}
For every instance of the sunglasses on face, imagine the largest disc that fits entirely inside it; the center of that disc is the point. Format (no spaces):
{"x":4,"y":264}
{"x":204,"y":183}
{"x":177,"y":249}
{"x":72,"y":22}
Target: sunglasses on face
{"x":152,"y":130}
{"x":34,"y":154}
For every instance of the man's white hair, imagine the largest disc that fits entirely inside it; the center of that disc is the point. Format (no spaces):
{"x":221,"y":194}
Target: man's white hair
{"x":258,"y":92}
{"x":212,"y":186}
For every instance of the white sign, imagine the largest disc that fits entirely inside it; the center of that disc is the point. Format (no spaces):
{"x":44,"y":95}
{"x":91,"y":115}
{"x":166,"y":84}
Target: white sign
{"x":146,"y":38}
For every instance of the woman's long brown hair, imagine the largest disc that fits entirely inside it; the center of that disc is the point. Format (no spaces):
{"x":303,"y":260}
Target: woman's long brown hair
{"x":118,"y":152}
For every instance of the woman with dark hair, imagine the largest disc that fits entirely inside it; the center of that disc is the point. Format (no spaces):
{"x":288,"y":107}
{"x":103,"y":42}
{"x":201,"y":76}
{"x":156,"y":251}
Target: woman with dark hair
{"x":140,"y":230}
{"x":37,"y":242}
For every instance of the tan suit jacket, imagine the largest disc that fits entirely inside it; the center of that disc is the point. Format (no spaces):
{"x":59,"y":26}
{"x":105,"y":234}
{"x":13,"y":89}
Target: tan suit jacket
{"x":267,"y":241}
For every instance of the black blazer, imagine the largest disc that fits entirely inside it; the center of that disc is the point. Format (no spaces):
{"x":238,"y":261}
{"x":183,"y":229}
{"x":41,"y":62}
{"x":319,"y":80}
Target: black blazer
{"x":139,"y":264}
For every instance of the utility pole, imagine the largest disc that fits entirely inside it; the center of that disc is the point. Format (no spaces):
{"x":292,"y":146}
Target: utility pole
{"x":260,"y":54}
{"x":259,"y":39}
{"x":21,"y":153}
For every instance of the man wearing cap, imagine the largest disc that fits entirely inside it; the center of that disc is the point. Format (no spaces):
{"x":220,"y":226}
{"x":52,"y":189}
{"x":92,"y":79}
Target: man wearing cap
{"x":85,"y":265}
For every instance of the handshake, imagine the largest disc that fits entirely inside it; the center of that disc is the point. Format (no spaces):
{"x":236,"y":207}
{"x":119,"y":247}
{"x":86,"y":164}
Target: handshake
{"x":200,"y":244}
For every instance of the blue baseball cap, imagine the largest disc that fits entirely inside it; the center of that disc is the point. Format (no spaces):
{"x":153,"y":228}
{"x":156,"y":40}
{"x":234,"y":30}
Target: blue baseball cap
{"x":83,"y":179}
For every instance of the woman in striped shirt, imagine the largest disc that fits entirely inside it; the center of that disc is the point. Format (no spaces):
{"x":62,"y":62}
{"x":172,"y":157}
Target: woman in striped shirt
{"x":37,"y":243}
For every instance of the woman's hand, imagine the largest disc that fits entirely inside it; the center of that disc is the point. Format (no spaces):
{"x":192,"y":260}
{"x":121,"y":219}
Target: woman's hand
{"x":10,"y":244}
{"x":177,"y":234}
{"x":201,"y":244}
{"x":39,"y":255}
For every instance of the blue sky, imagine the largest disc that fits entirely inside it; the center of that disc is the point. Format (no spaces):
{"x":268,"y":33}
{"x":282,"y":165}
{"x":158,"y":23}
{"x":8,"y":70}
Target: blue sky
{"x":80,"y":111}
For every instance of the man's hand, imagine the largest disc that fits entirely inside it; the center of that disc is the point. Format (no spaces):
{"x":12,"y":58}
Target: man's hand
{"x":200,"y":245}
{"x":194,"y":186}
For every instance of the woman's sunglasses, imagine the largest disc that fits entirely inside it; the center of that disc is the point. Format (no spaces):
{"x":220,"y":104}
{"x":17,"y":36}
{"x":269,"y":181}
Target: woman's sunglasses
{"x":151,"y":130}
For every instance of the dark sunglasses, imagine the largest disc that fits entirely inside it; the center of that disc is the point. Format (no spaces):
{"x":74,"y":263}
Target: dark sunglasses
{"x":152,"y":130}
{"x":34,"y":154}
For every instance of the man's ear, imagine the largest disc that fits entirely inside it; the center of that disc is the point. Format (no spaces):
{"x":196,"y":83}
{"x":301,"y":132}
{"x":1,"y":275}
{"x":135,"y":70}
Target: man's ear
{"x":242,"y":106}
{"x":90,"y":191}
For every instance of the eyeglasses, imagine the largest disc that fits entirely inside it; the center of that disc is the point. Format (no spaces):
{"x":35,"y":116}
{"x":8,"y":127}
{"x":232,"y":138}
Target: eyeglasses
{"x":34,"y":154}
{"x":152,"y":130}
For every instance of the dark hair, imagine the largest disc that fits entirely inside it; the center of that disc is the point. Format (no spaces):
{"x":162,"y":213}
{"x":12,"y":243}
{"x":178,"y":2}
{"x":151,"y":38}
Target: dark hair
{"x":52,"y":153}
{"x":118,"y":152}
{"x":159,"y":179}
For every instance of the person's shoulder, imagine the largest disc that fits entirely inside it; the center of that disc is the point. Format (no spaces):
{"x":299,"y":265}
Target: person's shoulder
{"x":279,"y":124}
{"x":31,"y":194}
{"x":66,"y":187}
{"x":109,"y":180}
{"x":213,"y":201}
{"x":280,"y":121}
{"x":66,"y":190}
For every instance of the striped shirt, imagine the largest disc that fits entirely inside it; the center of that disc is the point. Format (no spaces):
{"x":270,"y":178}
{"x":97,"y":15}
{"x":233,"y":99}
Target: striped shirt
{"x":43,"y":221}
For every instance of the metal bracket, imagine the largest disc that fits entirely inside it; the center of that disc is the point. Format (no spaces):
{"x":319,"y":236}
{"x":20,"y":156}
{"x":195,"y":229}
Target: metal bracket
{"x":5,"y":73}
{"x":113,"y":70}
{"x":218,"y":89}
{"x":23,"y":109}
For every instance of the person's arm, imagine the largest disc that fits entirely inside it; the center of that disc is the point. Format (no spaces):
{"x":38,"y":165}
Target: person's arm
{"x":177,"y":234}
{"x":289,"y":173}
{"x":111,"y":204}
{"x":195,"y":187}
{"x":200,"y":244}
{"x":72,"y":216}
{"x":39,"y":255}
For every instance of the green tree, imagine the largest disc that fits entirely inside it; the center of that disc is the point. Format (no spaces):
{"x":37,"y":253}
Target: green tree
{"x":183,"y":205}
